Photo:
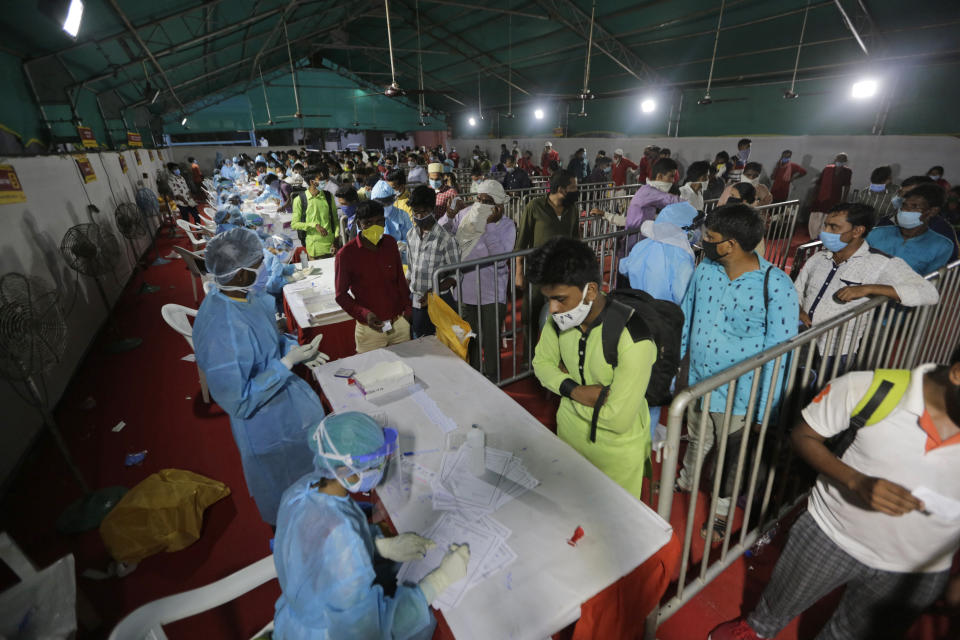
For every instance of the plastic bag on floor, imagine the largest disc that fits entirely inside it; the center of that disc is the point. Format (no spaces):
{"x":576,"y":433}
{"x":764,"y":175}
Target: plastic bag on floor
{"x":452,"y":330}
{"x":162,"y":513}
{"x":43,"y":605}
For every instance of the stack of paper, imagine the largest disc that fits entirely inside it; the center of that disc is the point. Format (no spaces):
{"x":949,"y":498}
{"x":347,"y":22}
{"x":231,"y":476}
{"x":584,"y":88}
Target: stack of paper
{"x":472,"y":497}
{"x":489,"y":553}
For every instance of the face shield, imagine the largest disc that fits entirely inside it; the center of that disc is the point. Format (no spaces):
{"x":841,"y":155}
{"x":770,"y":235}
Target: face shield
{"x":368,"y":468}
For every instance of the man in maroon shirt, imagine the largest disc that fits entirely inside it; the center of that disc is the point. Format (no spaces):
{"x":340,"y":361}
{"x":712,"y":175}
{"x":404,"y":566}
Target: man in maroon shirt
{"x":621,"y":165}
{"x":547,"y":157}
{"x":370,"y":283}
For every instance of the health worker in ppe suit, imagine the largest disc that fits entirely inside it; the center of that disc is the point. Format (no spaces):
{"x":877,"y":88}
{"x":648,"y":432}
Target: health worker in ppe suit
{"x":248,"y":364}
{"x":325,"y":549}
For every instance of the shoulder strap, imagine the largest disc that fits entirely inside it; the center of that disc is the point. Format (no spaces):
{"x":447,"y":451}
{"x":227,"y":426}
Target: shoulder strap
{"x":885,"y":392}
{"x":614,"y":322}
{"x":303,"y":204}
{"x":766,"y":297}
{"x":601,"y":399}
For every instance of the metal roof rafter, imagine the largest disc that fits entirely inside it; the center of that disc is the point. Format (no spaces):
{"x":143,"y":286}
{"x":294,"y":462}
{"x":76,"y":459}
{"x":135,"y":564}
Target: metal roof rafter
{"x":288,"y":10}
{"x":568,"y":14}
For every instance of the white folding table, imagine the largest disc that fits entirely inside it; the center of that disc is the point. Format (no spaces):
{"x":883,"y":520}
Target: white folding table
{"x":541,"y":592}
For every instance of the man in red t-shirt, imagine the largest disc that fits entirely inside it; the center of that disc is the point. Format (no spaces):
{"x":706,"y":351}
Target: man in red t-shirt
{"x":650,"y":155}
{"x":455,"y":157}
{"x":783,"y":174}
{"x":370,"y":284}
{"x":549,"y":156}
{"x":620,"y":167}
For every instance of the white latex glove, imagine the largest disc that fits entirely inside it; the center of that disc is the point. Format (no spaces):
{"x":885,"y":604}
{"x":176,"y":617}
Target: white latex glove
{"x":296,"y":276}
{"x":404,"y":547}
{"x":299,"y":353}
{"x":452,"y":568}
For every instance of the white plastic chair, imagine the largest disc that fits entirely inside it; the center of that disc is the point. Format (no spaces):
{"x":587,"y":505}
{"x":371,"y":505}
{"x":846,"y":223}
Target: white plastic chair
{"x":190,"y":258}
{"x":191,"y":230}
{"x":176,"y":316}
{"x":146,"y":622}
{"x":49,"y":595}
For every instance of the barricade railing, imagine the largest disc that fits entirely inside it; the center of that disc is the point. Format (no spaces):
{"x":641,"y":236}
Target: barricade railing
{"x":753,"y":466}
{"x":803,"y":254}
{"x":504,"y":310}
{"x":879,"y":200}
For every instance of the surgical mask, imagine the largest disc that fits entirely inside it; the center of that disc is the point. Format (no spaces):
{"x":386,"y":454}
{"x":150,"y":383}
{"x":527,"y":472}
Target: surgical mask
{"x":784,"y":160}
{"x":259,"y":283}
{"x":909,"y":219}
{"x":176,"y":172}
{"x":934,"y":177}
{"x":840,"y":164}
{"x":570,"y":198}
{"x":743,"y":154}
{"x":660,"y":185}
{"x":373,"y":233}
{"x":349,"y":210}
{"x":509,"y":169}
{"x":476,"y":157}
{"x":701,"y":185}
{"x":436,"y":184}
{"x":832,"y":241}
{"x":484,"y":210}
{"x":425,"y":222}
{"x":608,"y":169}
{"x":576,"y":316}
{"x":411,"y":164}
{"x":878,"y":188}
{"x":710,"y":250}
{"x":753,"y":181}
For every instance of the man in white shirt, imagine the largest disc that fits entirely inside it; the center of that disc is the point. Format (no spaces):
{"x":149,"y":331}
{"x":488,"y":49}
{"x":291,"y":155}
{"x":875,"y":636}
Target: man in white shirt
{"x":850,"y":270}
{"x":415,"y":173}
{"x":865,"y":526}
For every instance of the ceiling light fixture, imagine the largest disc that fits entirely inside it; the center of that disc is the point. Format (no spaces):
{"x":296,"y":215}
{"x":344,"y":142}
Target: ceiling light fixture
{"x":648,"y":105}
{"x":865,"y":88}
{"x":538,"y":114}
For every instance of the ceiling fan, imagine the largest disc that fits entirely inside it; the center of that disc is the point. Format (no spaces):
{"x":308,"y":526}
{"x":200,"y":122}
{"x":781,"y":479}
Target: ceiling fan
{"x":298,"y":115}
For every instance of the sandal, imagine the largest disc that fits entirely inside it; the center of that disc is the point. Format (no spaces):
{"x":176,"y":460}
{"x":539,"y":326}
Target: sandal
{"x":719,"y":530}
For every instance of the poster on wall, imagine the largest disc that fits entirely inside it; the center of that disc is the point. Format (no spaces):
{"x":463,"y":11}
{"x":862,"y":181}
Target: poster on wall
{"x":86,"y":169}
{"x":87,"y":138}
{"x":134,"y":139}
{"x":123,"y":163}
{"x":10,"y":189}
{"x":150,"y":153}
{"x":136,"y":156}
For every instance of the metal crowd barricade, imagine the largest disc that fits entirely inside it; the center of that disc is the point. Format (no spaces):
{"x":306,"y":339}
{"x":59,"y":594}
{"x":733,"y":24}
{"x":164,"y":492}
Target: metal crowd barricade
{"x":879,"y":200}
{"x":803,"y":254}
{"x":780,"y":220}
{"x":876,"y":334}
{"x":512,"y":320}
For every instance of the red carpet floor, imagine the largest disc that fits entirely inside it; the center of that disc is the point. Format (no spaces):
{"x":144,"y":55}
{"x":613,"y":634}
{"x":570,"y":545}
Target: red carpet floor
{"x":158,"y":396}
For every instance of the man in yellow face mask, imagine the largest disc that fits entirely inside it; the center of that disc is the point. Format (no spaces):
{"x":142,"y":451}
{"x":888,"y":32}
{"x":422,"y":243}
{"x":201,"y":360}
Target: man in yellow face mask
{"x":370,"y":283}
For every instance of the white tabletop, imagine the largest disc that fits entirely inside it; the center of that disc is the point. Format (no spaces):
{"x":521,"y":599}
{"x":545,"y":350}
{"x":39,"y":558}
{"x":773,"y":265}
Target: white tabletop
{"x":541,"y":592}
{"x":315,"y":294}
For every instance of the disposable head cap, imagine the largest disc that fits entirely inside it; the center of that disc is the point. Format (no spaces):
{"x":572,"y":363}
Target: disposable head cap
{"x":253,"y":220}
{"x":221,"y":216}
{"x":231,"y":251}
{"x":234,"y":159}
{"x":434,"y":167}
{"x":681,"y":214}
{"x":548,"y":144}
{"x":494,"y":189}
{"x":382,"y":190}
{"x":351,"y":439}
{"x":618,"y":152}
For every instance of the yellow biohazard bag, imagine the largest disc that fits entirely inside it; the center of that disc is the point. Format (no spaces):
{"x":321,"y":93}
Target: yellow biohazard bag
{"x":164,"y":512}
{"x":452,"y":330}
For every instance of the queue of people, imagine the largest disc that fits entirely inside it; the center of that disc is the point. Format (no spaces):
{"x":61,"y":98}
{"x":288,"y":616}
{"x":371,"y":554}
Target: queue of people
{"x":602,"y":353}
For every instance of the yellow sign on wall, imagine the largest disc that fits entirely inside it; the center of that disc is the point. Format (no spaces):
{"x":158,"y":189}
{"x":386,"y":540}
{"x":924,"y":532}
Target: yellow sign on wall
{"x":86,"y":169}
{"x":10,"y":189}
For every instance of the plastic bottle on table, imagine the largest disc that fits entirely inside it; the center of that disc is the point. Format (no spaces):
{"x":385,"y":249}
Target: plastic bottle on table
{"x":475,"y":441}
{"x":304,"y":260}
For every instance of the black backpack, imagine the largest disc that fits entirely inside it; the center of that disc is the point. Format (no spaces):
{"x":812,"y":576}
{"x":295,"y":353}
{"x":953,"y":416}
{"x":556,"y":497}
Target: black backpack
{"x":658,"y":320}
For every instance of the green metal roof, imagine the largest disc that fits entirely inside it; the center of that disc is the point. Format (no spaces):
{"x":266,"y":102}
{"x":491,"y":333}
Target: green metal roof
{"x":202,"y":53}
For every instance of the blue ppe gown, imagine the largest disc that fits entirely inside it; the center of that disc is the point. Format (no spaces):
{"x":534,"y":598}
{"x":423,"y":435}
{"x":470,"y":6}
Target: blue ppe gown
{"x":277,"y":273}
{"x":323,"y":551}
{"x":271,"y":409}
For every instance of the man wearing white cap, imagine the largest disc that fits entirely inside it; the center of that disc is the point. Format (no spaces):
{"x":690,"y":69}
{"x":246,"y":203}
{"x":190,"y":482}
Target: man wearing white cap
{"x":482,"y":230}
{"x":620,"y":167}
{"x":549,"y":156}
{"x":445,"y":192}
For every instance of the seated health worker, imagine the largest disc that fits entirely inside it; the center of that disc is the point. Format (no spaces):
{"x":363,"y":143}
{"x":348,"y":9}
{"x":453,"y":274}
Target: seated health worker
{"x":325,"y":549}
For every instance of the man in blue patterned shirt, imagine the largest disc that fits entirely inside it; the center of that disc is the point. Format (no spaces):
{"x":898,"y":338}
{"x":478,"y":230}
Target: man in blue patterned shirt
{"x":736,"y":306}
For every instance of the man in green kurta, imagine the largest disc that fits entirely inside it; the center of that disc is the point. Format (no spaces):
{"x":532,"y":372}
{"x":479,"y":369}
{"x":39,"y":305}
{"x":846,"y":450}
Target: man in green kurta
{"x":569,"y":361}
